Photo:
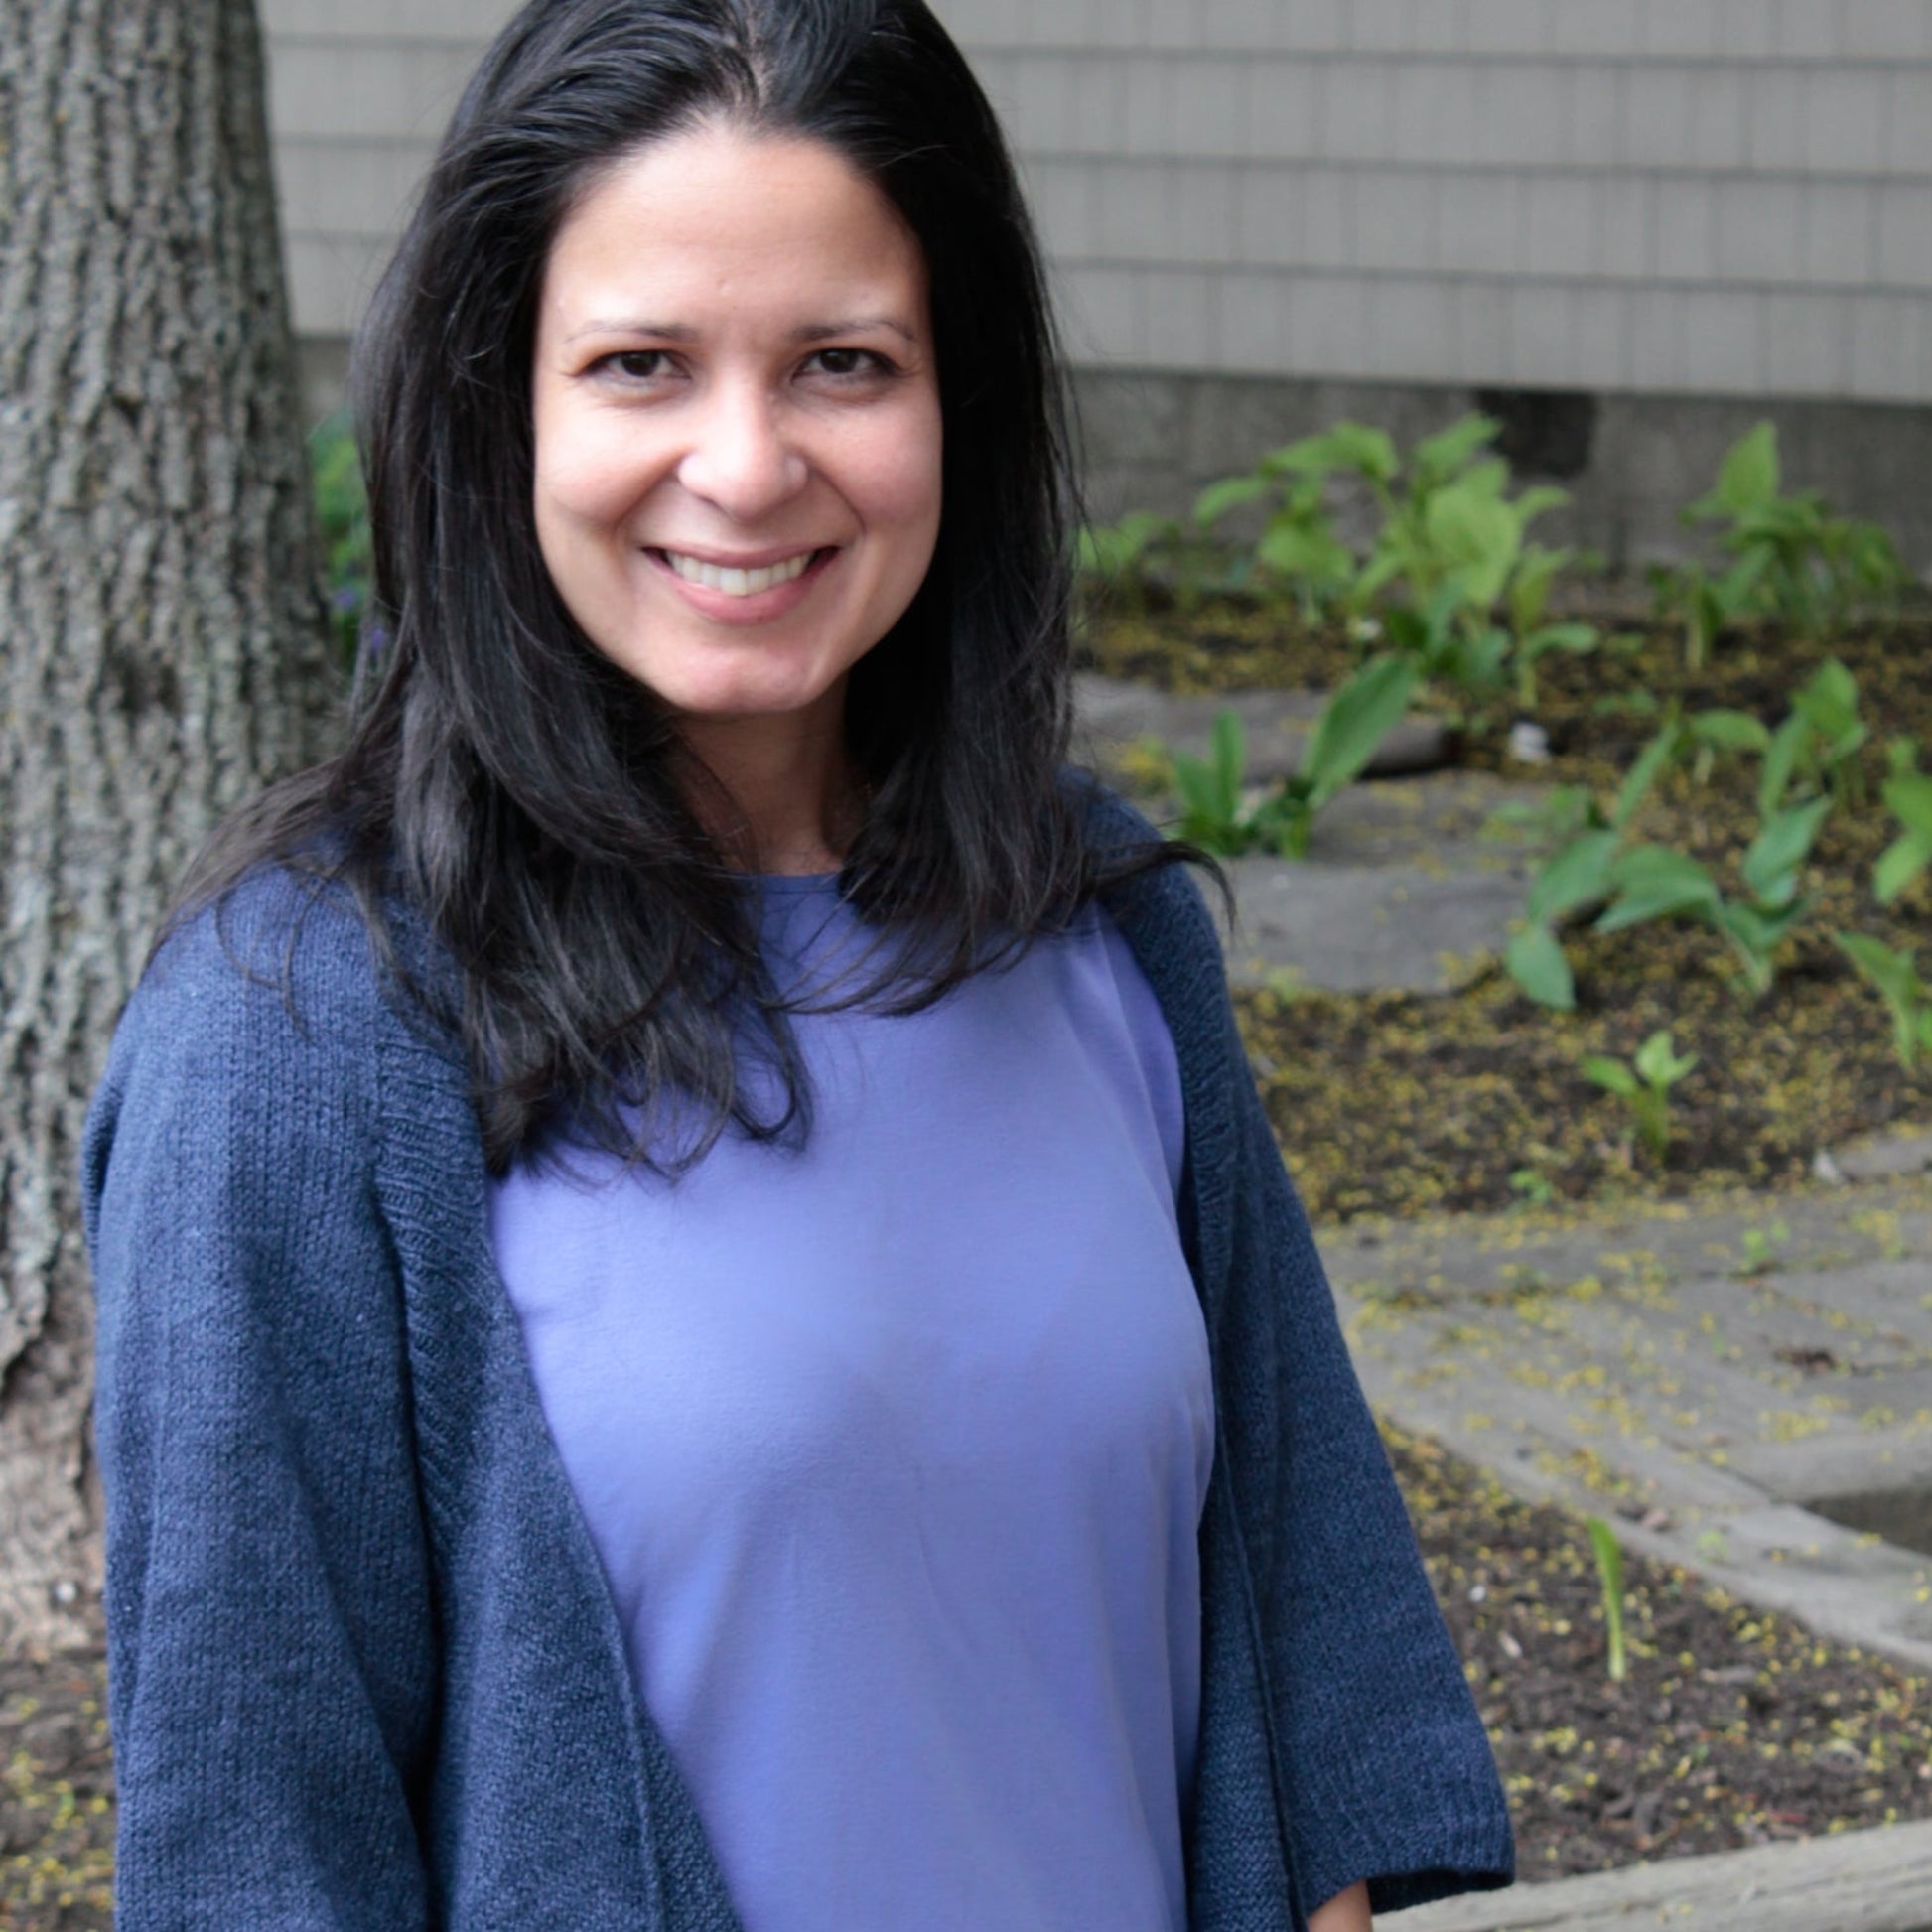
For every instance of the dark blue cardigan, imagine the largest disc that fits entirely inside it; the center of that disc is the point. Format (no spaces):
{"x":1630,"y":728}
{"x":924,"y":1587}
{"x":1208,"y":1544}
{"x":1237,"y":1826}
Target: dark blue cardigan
{"x":365,"y":1671}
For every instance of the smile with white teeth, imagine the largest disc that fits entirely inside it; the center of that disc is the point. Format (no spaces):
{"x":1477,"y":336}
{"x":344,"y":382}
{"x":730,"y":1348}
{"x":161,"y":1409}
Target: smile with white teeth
{"x":738,"y":583}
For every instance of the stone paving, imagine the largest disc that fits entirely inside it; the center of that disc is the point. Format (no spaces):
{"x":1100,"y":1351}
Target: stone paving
{"x":1400,"y":887}
{"x":1744,"y":1387}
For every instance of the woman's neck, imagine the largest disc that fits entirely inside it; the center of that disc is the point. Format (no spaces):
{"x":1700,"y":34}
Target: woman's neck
{"x":781,"y":795}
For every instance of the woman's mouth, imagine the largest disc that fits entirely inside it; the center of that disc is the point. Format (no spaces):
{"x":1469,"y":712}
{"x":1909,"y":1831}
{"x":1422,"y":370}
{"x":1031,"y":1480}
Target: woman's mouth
{"x":736,"y":582}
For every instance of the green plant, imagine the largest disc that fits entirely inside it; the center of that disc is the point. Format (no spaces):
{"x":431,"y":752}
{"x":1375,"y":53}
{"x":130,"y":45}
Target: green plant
{"x":1210,"y":788}
{"x":1531,"y":1187}
{"x":1706,"y":606}
{"x":1819,"y":740}
{"x":1761,"y":1246}
{"x":1909,"y":795}
{"x":1527,"y":600}
{"x":342,"y":522}
{"x":1298,"y":553}
{"x":1610,"y":1576}
{"x":1144,"y":550}
{"x":1896,"y":977}
{"x":1355,"y":720}
{"x":1812,"y":568}
{"x":1584,"y":869}
{"x":1645,"y":1086}
{"x":1655,"y":881}
{"x":1342,"y":739}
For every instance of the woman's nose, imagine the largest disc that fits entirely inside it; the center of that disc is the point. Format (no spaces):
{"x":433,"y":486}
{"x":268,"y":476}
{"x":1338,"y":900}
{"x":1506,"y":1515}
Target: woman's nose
{"x":741,"y":460}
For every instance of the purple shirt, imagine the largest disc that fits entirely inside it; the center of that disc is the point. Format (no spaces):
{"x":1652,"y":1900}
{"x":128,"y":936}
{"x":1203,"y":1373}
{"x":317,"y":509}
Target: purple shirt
{"x":895,"y":1450}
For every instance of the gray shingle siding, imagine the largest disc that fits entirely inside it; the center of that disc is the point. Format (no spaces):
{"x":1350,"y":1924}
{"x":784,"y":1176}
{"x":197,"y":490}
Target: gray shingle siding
{"x":1723,"y":196}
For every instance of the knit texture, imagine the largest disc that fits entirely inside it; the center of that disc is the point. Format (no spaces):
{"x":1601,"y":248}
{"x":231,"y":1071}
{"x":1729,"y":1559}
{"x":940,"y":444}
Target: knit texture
{"x":365,"y":1670}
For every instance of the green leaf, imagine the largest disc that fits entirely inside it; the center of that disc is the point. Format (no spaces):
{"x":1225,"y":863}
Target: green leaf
{"x":1477,"y":539}
{"x":1295,"y":550}
{"x":1354,"y":721}
{"x":1536,"y":502}
{"x":1771,"y":863}
{"x":1788,"y":743}
{"x":1749,"y":479}
{"x":1736,"y":587}
{"x":1579,"y":875}
{"x":1658,"y":1063}
{"x":1654,"y":882}
{"x":1441,"y":455}
{"x":1229,"y":493}
{"x":1612,"y":1076}
{"x":1610,"y":1573}
{"x":1895,"y":974}
{"x":1730,"y":731}
{"x":1651,"y":763}
{"x":1910,"y":798}
{"x":1345,"y":446}
{"x":1534,"y":959}
{"x":1901,"y":861}
{"x":1230,"y":756}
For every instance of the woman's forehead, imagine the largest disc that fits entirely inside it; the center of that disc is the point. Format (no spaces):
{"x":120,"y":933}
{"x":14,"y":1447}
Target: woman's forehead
{"x":718,"y":219}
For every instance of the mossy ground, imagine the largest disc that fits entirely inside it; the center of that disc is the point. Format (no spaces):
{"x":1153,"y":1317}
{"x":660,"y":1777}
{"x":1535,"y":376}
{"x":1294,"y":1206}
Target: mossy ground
{"x":1402,"y":1103}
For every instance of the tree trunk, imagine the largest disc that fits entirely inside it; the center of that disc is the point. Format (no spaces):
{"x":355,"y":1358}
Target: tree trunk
{"x":162,"y":641}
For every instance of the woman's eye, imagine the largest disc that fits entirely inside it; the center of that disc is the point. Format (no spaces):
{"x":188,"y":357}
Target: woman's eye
{"x":850,"y":361}
{"x":637,"y":364}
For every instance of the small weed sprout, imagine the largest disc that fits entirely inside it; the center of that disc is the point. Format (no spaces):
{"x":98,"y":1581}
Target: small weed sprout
{"x":1531,"y":1187}
{"x":1761,"y":1246}
{"x":1609,"y":1577}
{"x":1644,"y":1086}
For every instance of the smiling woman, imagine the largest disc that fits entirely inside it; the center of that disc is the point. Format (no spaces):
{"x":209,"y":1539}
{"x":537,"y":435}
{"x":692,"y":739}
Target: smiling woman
{"x":699,"y":1322}
{"x":736,"y":499}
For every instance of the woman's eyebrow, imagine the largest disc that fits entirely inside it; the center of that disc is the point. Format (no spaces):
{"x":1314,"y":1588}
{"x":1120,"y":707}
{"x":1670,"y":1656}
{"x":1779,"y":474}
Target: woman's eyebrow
{"x":815,"y":332}
{"x":670,"y":332}
{"x":675,"y":331}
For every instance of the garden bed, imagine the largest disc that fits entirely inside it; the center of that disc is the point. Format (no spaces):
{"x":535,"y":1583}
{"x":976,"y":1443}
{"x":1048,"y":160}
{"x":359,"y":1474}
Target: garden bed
{"x":1733,"y":1726}
{"x":1412,"y":1103}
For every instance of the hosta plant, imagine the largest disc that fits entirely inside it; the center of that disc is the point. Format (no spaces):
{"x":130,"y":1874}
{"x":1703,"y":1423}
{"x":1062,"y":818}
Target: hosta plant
{"x":1809,"y":569}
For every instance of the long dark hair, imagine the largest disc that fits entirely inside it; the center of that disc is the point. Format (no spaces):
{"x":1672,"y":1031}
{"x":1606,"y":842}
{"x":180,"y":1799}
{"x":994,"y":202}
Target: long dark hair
{"x":529,"y":799}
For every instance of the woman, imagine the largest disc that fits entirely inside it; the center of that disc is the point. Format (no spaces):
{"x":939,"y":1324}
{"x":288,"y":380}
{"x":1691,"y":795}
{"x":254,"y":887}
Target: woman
{"x":699,"y":1323}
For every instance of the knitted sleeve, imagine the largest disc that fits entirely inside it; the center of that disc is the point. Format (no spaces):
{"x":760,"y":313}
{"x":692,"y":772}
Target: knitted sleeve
{"x":1377,"y":1759}
{"x":1387,"y":1771}
{"x":270,"y":1637}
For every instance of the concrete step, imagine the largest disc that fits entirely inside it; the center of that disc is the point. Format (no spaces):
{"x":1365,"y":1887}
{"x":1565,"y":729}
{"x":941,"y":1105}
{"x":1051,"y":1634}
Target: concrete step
{"x":1853,"y":1882}
{"x":1756,"y":1429}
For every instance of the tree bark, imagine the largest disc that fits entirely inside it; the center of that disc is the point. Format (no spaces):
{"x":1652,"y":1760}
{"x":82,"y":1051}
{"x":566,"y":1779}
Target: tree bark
{"x":161,"y":639}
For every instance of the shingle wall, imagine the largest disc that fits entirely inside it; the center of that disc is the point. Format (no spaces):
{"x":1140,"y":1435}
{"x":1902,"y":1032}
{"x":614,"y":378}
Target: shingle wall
{"x":1715,"y":196}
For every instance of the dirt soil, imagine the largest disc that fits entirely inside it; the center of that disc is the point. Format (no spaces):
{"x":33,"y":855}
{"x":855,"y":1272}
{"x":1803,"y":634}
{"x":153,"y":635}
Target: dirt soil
{"x":1733,"y":1726}
{"x":56,"y":1795}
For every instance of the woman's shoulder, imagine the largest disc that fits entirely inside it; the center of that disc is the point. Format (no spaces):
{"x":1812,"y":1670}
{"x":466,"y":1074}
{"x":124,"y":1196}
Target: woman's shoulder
{"x":1160,"y":908}
{"x":282,"y":952}
{"x":278,"y":989}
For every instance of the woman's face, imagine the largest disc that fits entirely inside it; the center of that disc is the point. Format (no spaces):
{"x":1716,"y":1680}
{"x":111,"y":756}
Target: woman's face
{"x":737,"y":422}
